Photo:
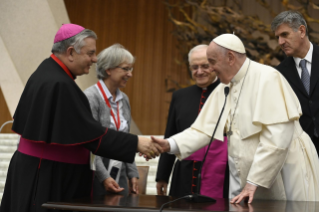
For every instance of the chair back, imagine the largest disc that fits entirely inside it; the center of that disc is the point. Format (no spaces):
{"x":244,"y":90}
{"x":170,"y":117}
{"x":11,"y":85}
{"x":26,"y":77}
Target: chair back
{"x":142,"y":182}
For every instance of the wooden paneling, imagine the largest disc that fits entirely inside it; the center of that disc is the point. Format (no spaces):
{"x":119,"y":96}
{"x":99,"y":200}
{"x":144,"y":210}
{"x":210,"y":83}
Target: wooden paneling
{"x":142,"y":26}
{"x":4,"y":114}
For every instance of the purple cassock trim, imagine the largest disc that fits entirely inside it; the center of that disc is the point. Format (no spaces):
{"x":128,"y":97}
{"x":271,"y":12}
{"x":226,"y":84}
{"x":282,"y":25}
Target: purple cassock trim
{"x":60,"y":153}
{"x":213,"y":170}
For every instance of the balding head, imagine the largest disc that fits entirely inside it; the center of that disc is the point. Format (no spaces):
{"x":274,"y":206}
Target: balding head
{"x":199,"y":66}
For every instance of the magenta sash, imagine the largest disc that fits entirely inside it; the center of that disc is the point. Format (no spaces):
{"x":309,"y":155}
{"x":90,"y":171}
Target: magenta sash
{"x":75,"y":154}
{"x":213,"y":170}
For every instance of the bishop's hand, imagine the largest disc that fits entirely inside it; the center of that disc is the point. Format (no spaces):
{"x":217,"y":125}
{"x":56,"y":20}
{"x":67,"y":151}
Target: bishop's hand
{"x":148,"y":148}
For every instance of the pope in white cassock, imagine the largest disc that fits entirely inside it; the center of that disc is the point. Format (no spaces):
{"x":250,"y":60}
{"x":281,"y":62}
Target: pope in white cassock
{"x":270,"y":156}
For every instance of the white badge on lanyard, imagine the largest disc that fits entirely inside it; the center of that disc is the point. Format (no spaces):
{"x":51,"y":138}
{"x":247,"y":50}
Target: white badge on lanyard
{"x":114,"y":169}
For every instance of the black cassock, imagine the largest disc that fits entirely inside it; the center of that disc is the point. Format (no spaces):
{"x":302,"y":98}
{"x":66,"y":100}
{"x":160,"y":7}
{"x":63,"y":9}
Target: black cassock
{"x":54,"y":111}
{"x":185,"y":106}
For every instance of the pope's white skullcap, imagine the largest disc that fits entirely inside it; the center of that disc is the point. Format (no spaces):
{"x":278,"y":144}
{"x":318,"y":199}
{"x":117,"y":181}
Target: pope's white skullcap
{"x":231,"y":42}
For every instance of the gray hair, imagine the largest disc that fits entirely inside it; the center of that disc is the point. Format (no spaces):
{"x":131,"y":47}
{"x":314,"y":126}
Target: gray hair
{"x":196,"y":48}
{"x":293,"y":18}
{"x":110,"y":58}
{"x":76,"y":41}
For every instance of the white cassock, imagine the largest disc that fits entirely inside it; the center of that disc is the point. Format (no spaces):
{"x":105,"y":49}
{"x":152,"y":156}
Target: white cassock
{"x":268,"y":146}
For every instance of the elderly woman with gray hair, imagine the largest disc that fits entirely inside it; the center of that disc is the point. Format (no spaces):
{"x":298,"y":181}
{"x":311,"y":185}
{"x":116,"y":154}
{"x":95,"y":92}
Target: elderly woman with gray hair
{"x":111,"y":107}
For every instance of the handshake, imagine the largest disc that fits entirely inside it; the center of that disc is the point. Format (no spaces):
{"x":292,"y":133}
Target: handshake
{"x":152,"y":147}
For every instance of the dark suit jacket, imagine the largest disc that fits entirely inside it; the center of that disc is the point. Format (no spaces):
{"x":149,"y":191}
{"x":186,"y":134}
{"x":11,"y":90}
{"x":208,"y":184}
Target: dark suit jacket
{"x":309,"y":103}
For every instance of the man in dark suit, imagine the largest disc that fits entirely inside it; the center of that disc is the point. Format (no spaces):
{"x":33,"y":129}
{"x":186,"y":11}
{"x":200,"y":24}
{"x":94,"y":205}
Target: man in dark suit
{"x":300,"y":67}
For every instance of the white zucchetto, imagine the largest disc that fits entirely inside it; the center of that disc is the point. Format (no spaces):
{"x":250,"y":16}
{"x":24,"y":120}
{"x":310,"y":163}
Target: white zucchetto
{"x":231,"y":42}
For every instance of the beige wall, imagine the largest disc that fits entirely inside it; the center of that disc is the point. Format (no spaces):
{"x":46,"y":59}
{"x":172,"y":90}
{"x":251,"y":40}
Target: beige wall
{"x":10,"y":84}
{"x":27,"y":30}
{"x":26,"y":36}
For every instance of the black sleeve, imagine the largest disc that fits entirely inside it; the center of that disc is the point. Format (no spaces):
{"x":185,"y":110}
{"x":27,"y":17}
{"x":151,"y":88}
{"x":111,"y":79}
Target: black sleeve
{"x":166,"y":160}
{"x":165,"y":166}
{"x":115,"y":145}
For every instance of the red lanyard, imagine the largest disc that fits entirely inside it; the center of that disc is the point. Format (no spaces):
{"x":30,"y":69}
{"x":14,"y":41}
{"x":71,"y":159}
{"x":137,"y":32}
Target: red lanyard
{"x":118,"y":122}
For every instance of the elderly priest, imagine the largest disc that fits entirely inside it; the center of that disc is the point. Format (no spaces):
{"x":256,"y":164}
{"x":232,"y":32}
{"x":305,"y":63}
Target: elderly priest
{"x":270,"y":156}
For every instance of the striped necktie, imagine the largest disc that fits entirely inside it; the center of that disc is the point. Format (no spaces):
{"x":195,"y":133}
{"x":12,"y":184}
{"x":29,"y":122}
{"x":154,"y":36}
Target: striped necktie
{"x":305,"y":77}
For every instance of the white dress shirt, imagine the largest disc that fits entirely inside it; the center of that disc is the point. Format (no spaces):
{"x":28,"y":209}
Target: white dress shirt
{"x":308,"y":59}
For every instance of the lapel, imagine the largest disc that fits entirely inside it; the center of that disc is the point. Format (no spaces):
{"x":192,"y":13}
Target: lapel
{"x":126,"y":110}
{"x":314,"y":68}
{"x":291,"y":73}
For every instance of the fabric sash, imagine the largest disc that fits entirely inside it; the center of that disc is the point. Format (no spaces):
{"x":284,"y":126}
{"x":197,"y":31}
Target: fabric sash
{"x":60,"y":153}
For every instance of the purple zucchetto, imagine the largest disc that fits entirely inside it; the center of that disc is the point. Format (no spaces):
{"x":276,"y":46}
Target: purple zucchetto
{"x":66,"y":31}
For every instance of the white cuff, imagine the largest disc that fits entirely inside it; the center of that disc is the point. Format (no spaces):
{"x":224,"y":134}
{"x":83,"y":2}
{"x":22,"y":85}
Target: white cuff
{"x":173,"y":146}
{"x":252,"y":183}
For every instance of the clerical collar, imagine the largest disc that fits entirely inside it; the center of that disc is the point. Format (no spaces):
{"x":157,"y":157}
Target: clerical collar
{"x":308,"y":57}
{"x":67,"y":71}
{"x":241,"y":73}
{"x":215,"y":80}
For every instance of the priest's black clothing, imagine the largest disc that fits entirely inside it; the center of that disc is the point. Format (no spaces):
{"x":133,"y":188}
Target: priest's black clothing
{"x":184,"y":108}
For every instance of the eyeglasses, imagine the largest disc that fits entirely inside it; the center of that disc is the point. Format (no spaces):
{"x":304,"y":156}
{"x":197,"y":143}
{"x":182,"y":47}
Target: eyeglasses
{"x":127,"y":69}
{"x":204,"y":67}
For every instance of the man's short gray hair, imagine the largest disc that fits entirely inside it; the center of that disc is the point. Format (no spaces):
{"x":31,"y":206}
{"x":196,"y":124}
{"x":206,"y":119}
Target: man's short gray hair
{"x":196,"y":48}
{"x":110,"y":58}
{"x":76,"y":41}
{"x":292,"y":18}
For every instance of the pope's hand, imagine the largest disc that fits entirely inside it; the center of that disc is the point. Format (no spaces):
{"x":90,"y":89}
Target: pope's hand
{"x":247,"y":193}
{"x":148,"y":148}
{"x":163,"y":143}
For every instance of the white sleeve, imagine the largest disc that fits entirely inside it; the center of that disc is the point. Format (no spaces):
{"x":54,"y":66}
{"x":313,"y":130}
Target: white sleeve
{"x":185,"y":142}
{"x":271,"y":153}
{"x":173,"y":147}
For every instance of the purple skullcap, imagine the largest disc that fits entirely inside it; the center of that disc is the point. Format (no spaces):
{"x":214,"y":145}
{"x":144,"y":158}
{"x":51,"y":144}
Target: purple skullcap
{"x":66,"y":31}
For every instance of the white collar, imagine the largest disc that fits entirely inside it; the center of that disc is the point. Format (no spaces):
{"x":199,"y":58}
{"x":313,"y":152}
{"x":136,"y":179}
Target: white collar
{"x":241,"y":73}
{"x":308,"y":57}
{"x":108,"y":94}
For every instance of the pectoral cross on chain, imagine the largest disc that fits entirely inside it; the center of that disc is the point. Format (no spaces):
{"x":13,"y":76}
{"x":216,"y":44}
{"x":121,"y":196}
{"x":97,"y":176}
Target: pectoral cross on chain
{"x":230,"y":132}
